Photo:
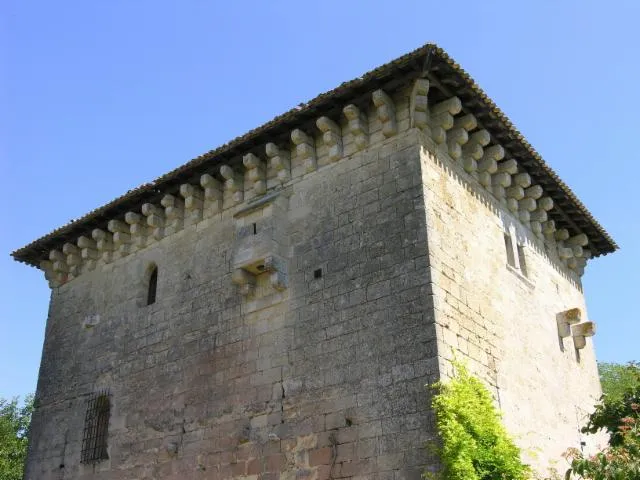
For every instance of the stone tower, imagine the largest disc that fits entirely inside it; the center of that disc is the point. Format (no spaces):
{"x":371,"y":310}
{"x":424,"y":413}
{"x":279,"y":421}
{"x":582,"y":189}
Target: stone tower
{"x":274,"y":308}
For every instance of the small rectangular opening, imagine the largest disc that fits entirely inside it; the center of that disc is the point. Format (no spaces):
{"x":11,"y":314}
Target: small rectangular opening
{"x":255,"y":229}
{"x":521,"y":259}
{"x":317,"y":273}
{"x":508,"y":245}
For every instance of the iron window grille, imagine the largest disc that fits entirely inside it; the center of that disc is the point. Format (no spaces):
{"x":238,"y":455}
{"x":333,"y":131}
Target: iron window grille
{"x":96,"y":428}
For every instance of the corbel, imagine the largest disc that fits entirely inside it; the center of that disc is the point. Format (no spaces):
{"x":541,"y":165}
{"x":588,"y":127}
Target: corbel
{"x":138,"y":228}
{"x":233,"y":183}
{"x":441,"y":118}
{"x":256,"y":173}
{"x":59,"y":266}
{"x":304,"y":149}
{"x":88,"y":251}
{"x":357,"y":125}
{"x":280,"y":161}
{"x":331,"y":136}
{"x":529,"y":203}
{"x":246,"y":281}
{"x":501,"y":180}
{"x":173,"y":213}
{"x":473,"y":150}
{"x":419,"y":104}
{"x":549,"y":229}
{"x":565,"y":319}
{"x":155,"y":219}
{"x":580,"y":332}
{"x":104,"y":244}
{"x":121,"y":236}
{"x":459,"y":134}
{"x":488,"y":164}
{"x":212,"y":194}
{"x":277,"y":269}
{"x":386,"y":112}
{"x":540,"y":216}
{"x":515,"y":193}
{"x":49,"y":274}
{"x":193,"y":203}
{"x":74,"y":260}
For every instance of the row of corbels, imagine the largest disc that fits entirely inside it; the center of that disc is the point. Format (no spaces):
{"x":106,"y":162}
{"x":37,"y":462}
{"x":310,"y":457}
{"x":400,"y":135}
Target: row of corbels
{"x":196,"y":202}
{"x":466,"y":142}
{"x":570,"y":324}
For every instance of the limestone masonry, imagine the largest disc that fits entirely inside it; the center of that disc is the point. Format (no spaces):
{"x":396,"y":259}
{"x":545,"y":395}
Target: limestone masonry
{"x":274,"y":308}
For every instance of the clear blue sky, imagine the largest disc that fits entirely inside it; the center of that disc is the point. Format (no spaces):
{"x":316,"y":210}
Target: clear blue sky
{"x":99,"y":97}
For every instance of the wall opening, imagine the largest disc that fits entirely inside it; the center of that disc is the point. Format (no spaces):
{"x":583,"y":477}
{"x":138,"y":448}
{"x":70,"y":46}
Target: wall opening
{"x":152,"y":286}
{"x":508,"y":245}
{"x":96,"y":429}
{"x":317,"y":273}
{"x":255,"y":229}
{"x":522,"y":261}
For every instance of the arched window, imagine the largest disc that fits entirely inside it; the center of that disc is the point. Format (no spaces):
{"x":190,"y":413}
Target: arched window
{"x":153,"y":285}
{"x":96,"y":429}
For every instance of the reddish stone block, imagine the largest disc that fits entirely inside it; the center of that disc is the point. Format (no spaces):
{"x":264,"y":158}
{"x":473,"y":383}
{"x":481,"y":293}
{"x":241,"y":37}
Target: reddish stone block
{"x":320,"y":456}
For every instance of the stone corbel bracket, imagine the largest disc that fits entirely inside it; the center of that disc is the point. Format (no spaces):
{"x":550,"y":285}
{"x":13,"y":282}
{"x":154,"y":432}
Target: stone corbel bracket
{"x":173,"y":212}
{"x":212,"y":194}
{"x":566,"y":319}
{"x":580,"y":332}
{"x":280,"y":161}
{"x":331,"y":136}
{"x":233,"y":183}
{"x":305,"y":150}
{"x":386,"y":112}
{"x":357,"y":126}
{"x":138,"y":228}
{"x":121,"y":237}
{"x":104,"y":244}
{"x":155,"y":219}
{"x":245,"y":281}
{"x":256,"y":172}
{"x":193,"y":203}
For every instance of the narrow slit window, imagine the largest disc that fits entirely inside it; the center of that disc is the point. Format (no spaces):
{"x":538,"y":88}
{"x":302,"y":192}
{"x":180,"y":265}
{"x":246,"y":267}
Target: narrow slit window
{"x":153,"y":286}
{"x":508,"y":245}
{"x":96,"y":429}
{"x":255,"y":229}
{"x":521,"y":259}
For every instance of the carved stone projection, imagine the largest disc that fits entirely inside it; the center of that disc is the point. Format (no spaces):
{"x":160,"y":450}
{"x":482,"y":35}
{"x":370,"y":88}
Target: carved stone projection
{"x":305,"y":150}
{"x":566,"y":319}
{"x":233,"y":183}
{"x":256,"y":173}
{"x":173,"y":212}
{"x":332,"y":137}
{"x":357,"y":126}
{"x":138,"y":228}
{"x":260,"y":246}
{"x":193,"y":203}
{"x":104,"y":244}
{"x":213,"y":195}
{"x":280,"y":161}
{"x":155,"y":219}
{"x":580,"y":332}
{"x":121,"y":237}
{"x":386,"y":112}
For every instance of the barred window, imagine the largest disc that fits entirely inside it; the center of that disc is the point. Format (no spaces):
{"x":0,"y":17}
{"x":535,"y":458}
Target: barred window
{"x":96,"y":428}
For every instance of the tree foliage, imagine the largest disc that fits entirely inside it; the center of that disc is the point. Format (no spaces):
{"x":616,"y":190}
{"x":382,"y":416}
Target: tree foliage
{"x":475,"y":444}
{"x":14,"y":428}
{"x":618,"y":413}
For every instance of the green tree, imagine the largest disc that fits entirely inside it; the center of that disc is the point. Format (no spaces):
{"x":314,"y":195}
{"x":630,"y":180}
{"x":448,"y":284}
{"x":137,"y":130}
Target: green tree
{"x":475,"y":445}
{"x":618,"y":413}
{"x":618,"y":379}
{"x":14,"y":428}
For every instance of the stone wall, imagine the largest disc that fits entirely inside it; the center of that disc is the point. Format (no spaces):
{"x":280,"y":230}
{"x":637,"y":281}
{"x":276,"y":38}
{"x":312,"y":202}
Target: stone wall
{"x":500,"y":319}
{"x":323,"y":378}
